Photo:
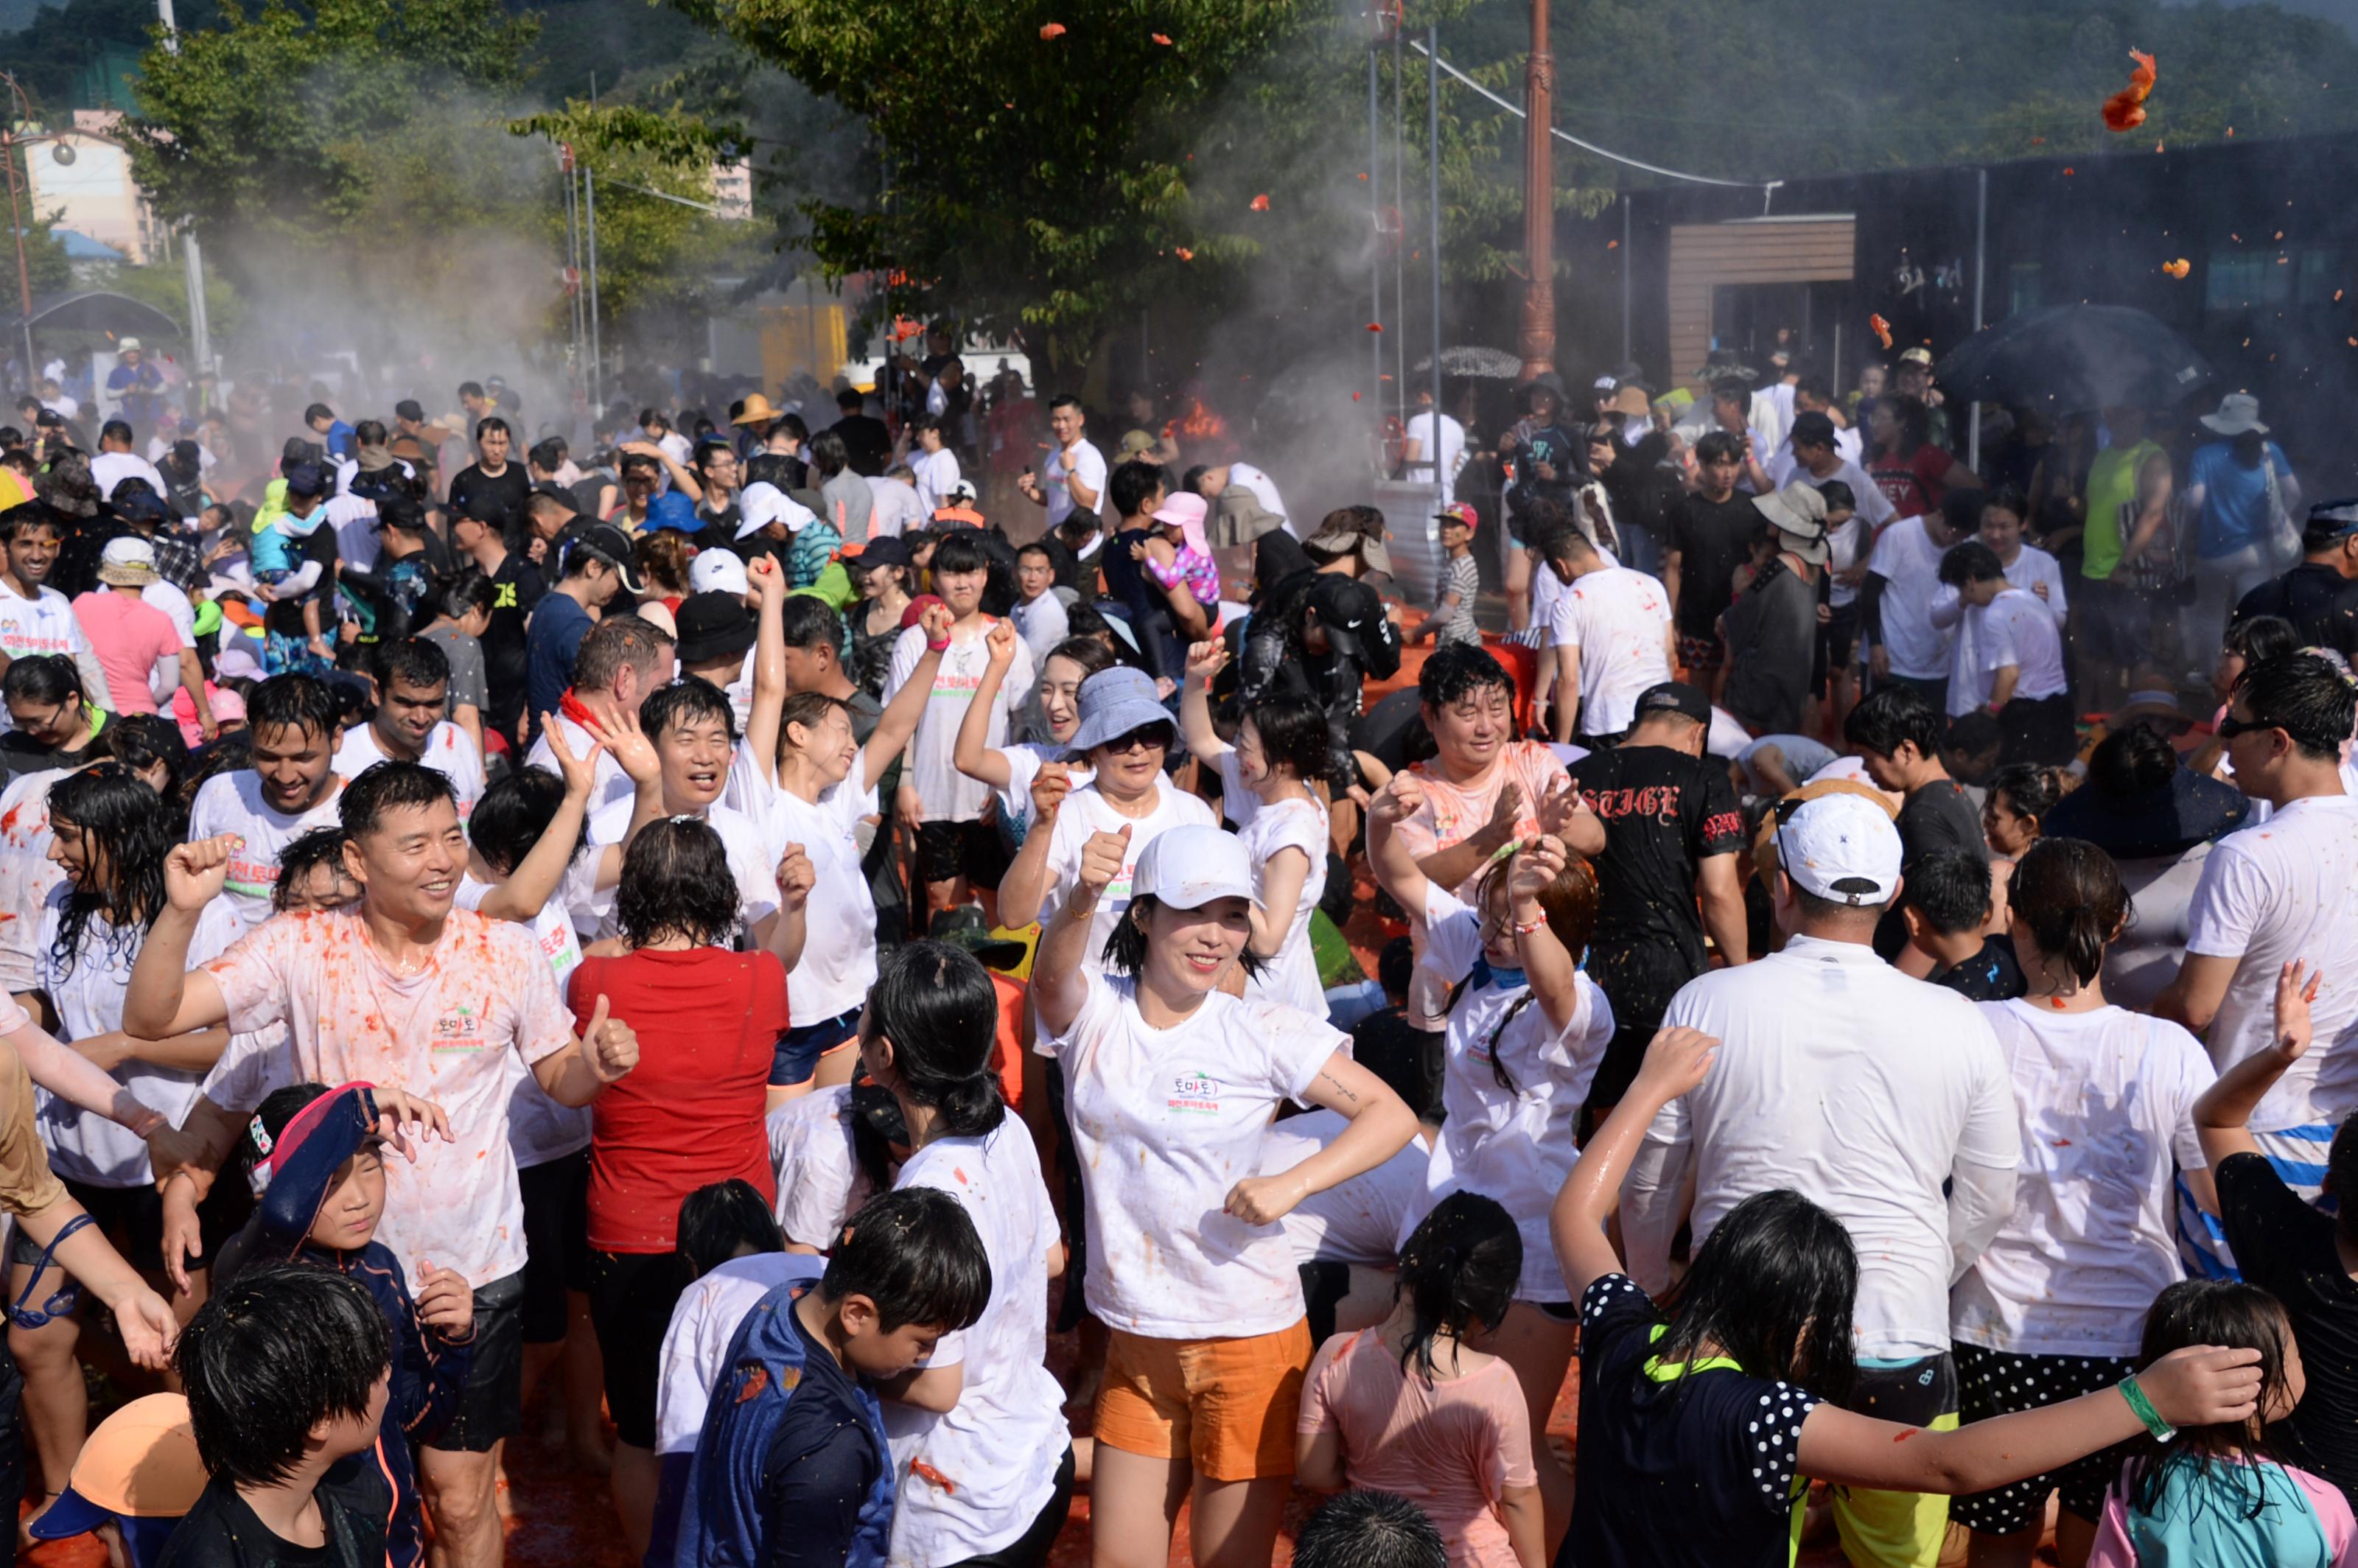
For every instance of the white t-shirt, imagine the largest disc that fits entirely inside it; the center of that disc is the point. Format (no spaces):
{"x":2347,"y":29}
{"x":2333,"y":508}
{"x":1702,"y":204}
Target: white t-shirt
{"x":1165,"y":1122}
{"x":937,"y":475}
{"x":2147,"y":958}
{"x":83,"y":1145}
{"x":2107,"y":1102}
{"x":1001,"y":1444}
{"x":41,"y":625}
{"x":1517,"y":1144}
{"x":948,"y":794}
{"x":1419,"y":471}
{"x":1358,"y":1221}
{"x":1085,"y":462}
{"x":1024,"y":761}
{"x":26,"y":875}
{"x":353,"y":517}
{"x":1783,"y":467}
{"x":2033,"y":566}
{"x":1292,"y":976}
{"x":608,"y":782}
{"x":753,"y":857}
{"x":1042,"y":623}
{"x":231,"y":802}
{"x":2015,"y":629}
{"x":838,"y":961}
{"x":696,"y":1345}
{"x":108,"y":470}
{"x":1815,"y":1088}
{"x":2286,"y":889}
{"x":1617,"y":619}
{"x":449,"y":751}
{"x":540,"y":1130}
{"x":819,"y":1178}
{"x":1263,"y":488}
{"x":1909,"y":565}
{"x":1086,"y":812}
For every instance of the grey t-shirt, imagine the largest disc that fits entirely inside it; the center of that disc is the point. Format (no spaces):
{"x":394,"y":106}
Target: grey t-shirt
{"x":466,"y":656}
{"x":1772,"y":632}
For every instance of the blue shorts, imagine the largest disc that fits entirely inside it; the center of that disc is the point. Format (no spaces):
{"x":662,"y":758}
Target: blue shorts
{"x":800,"y":1048}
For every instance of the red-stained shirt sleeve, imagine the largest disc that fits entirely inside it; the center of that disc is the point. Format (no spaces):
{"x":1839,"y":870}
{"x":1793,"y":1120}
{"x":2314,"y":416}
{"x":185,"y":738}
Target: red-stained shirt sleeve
{"x":543,"y":1027}
{"x":253,"y":973}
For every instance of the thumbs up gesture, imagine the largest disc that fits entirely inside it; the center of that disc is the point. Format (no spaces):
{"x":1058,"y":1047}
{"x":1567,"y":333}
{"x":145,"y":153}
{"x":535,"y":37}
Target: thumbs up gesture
{"x":1102,"y":858}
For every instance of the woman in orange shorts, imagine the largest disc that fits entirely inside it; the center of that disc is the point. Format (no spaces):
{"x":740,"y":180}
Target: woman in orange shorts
{"x":1172,"y":1085}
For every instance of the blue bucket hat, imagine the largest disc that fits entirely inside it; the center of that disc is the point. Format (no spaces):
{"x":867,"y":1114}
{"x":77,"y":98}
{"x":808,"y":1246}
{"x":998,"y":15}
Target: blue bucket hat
{"x":1113,"y":703}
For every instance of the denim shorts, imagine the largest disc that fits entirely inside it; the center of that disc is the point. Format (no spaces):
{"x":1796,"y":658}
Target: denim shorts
{"x":800,"y":1048}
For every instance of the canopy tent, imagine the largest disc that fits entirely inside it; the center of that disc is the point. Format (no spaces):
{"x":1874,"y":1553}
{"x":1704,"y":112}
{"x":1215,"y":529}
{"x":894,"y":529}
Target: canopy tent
{"x":95,"y":310}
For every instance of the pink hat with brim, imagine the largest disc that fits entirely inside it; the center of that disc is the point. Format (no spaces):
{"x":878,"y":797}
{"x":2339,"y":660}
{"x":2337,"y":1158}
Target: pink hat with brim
{"x":1185,"y":511}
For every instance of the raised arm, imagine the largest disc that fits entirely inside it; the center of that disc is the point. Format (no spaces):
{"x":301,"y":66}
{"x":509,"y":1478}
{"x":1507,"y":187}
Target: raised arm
{"x":635,"y":755}
{"x":1204,"y":661}
{"x":2223,"y":1116}
{"x":683,"y":478}
{"x":1060,"y":972}
{"x":1677,"y":1059}
{"x":1396,"y":871}
{"x":972,"y":753}
{"x":534,"y":881}
{"x":899,"y":719}
{"x":1025,"y":888}
{"x":165,"y":997}
{"x":769,"y":666}
{"x":1554,"y":974}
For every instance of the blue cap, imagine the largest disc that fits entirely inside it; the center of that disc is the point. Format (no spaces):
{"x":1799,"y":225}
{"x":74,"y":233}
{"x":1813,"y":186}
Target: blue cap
{"x":674,"y":511}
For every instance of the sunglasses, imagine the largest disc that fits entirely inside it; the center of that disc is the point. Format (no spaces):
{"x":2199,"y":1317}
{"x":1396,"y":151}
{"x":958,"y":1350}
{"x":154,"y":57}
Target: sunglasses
{"x":2230,"y":727}
{"x":1150,"y":739}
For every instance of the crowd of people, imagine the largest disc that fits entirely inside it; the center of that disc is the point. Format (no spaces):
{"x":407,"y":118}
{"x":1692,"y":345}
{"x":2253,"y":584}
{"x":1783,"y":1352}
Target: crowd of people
{"x":767,"y":945}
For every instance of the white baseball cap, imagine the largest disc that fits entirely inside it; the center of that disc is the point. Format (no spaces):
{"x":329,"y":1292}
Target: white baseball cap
{"x":1841,"y":847}
{"x":1188,"y":868}
{"x":761,"y":504}
{"x":717,"y":571}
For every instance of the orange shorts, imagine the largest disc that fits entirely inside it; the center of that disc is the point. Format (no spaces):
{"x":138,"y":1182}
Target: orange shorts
{"x":1228,"y":1405}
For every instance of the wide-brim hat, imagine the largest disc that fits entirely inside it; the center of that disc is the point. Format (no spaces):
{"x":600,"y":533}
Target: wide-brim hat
{"x":757,"y":411}
{"x":2238,"y":414}
{"x":1342,"y":542}
{"x":1116,"y":702}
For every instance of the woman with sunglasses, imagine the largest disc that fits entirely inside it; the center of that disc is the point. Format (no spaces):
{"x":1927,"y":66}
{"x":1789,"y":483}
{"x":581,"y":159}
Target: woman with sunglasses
{"x":1125,"y":736}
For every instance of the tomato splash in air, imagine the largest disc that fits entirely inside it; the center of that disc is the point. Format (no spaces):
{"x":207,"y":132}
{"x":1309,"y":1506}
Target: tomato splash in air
{"x":1375,"y":325}
{"x":2177,"y":269}
{"x":1162,"y":38}
{"x":1052,"y":30}
{"x":2124,"y":110}
{"x":1259,"y":204}
{"x":1882,"y":331}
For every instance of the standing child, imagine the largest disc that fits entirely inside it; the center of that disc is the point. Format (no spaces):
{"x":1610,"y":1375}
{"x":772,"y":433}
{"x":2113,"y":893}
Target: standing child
{"x":1265,"y":778}
{"x":2216,"y":1493}
{"x":1459,"y":585}
{"x":1946,"y":903}
{"x":1406,"y":1407}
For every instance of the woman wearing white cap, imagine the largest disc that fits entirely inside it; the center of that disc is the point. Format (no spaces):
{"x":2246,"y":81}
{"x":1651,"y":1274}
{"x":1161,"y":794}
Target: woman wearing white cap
{"x":1172,"y":1085}
{"x":1125,"y":734}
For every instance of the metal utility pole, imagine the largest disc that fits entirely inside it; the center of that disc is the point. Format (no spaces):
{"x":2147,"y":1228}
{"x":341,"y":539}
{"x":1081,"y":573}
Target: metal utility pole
{"x":1375,"y":230}
{"x":596,"y":359}
{"x":1537,"y":342}
{"x":1433,"y":132}
{"x":201,"y":329}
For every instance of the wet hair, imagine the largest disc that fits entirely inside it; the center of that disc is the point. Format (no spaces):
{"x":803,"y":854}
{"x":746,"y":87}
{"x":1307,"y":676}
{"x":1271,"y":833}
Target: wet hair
{"x":1036,"y":547}
{"x":492,"y":424}
{"x":129,"y":831}
{"x":1773,"y":1287}
{"x":808,"y":709}
{"x":2130,"y":763}
{"x":1457,"y":670}
{"x":937,"y":1006}
{"x":960,"y":551}
{"x":1971,"y":561}
{"x":1293,"y":735}
{"x":414,"y":661}
{"x":468,"y":591}
{"x":676,"y":883}
{"x":273,"y":1353}
{"x":808,"y":621}
{"x":1893,"y":716}
{"x":547,"y":455}
{"x":291,"y":701}
{"x":2068,"y":893}
{"x":1133,"y":481}
{"x":1457,"y":1273}
{"x":1839,"y":496}
{"x":309,"y":851}
{"x":616,"y":642}
{"x":517,"y":808}
{"x":391,"y":787}
{"x":1125,"y":950}
{"x":2259,"y":637}
{"x":1367,"y":1529}
{"x":2306,"y":695}
{"x":1719,"y":447}
{"x":717,"y":1221}
{"x":1951,"y":889}
{"x":577,"y":549}
{"x":23,"y":515}
{"x":915,"y":1253}
{"x":50,"y":679}
{"x":688,"y":700}
{"x":2213,"y":1312}
{"x":143,"y":740}
{"x":2028,"y":789}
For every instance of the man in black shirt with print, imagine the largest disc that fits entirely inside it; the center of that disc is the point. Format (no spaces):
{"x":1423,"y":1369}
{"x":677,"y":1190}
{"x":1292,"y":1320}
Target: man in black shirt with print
{"x":1672,"y":831}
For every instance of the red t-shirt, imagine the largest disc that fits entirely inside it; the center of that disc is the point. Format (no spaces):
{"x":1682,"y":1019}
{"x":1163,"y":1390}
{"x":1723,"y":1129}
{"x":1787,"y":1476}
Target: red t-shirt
{"x":691,"y":1112}
{"x":1913,"y":484}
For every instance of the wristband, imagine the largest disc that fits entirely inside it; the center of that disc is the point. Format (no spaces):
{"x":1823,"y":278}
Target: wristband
{"x":2143,"y":1407}
{"x":1521,"y":929}
{"x":933,"y":647}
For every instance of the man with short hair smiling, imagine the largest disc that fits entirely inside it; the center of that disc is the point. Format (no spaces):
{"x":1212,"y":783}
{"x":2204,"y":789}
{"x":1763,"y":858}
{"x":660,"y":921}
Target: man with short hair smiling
{"x":412,"y":723}
{"x":34,"y":616}
{"x":291,"y":788}
{"x":408,"y":992}
{"x":1075,"y":479}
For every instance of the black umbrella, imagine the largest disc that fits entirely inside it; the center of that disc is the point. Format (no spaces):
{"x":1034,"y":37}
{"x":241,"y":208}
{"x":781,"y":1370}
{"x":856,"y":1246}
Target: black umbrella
{"x":1474,"y":362}
{"x":2069,"y":359}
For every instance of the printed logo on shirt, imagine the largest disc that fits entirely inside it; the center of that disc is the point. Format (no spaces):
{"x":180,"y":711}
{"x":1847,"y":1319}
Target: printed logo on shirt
{"x":249,"y":875}
{"x":1193,"y":1093}
{"x":462,"y":1028}
{"x":1658,"y":801}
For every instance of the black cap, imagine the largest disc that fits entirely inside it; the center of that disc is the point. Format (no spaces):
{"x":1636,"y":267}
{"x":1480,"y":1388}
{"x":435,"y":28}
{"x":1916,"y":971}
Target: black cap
{"x":1673,"y":696}
{"x":409,"y":408}
{"x":609,"y":541}
{"x":1345,"y":609}
{"x":305,"y":479}
{"x":1814,"y":428}
{"x":884,"y":550}
{"x":139,"y":504}
{"x":713,"y":625}
{"x":483,"y":506}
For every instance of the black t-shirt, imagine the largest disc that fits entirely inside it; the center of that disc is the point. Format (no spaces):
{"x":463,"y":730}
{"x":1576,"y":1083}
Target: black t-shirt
{"x":510,"y":487}
{"x":222,"y":1532}
{"x":1713,"y":539}
{"x":516,"y":587}
{"x":1664,"y":813}
{"x":1934,"y":817}
{"x":2322,"y":604}
{"x":1673,"y":1471}
{"x":866,"y":442}
{"x":1991,"y":974}
{"x":2286,"y":1247}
